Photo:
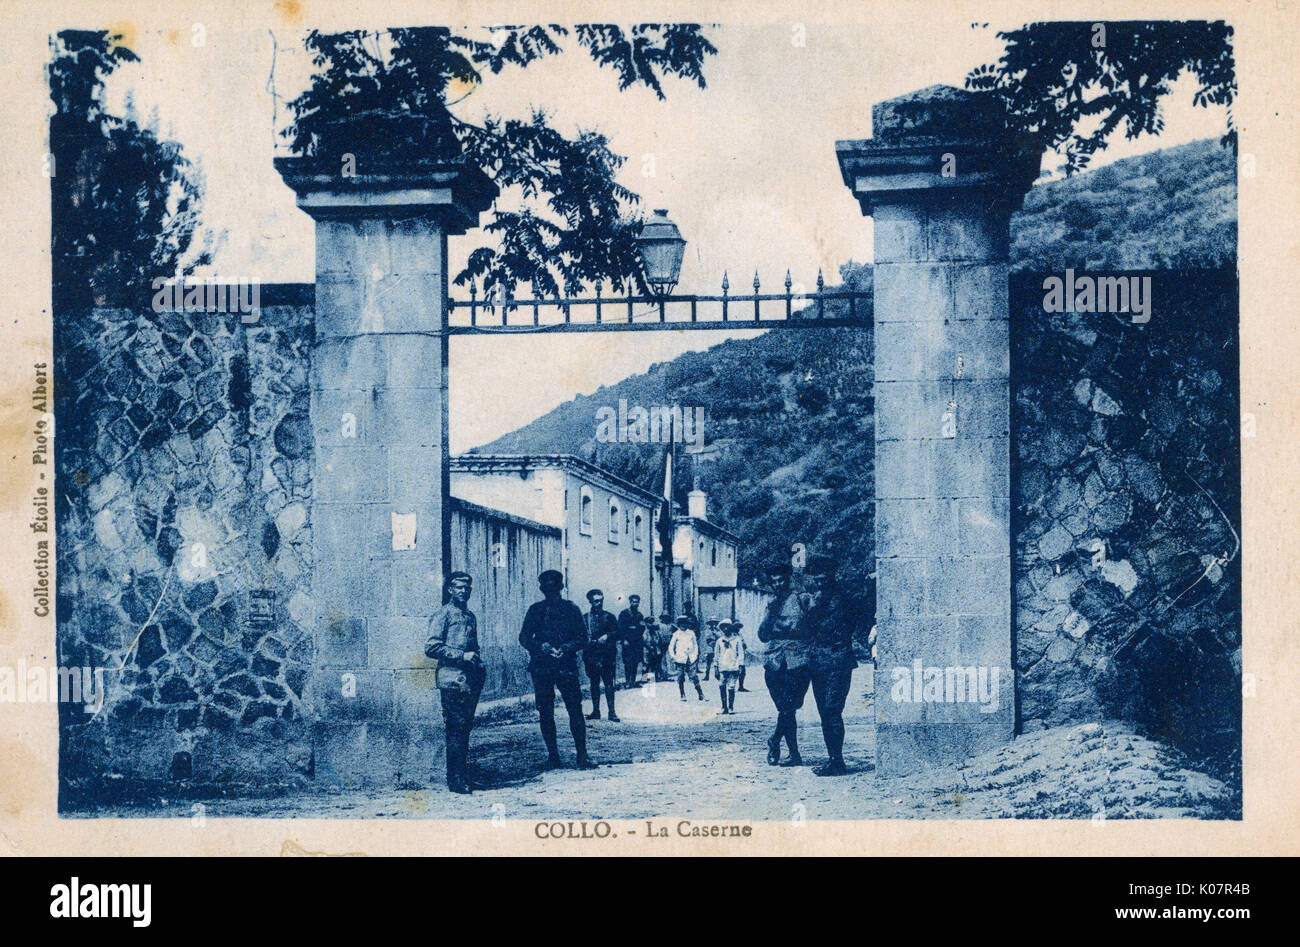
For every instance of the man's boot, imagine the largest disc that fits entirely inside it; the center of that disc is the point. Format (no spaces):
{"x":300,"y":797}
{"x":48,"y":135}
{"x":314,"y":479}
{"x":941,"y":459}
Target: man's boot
{"x":456,"y":781}
{"x":834,"y":765}
{"x":580,"y":743}
{"x":792,"y":741}
{"x":553,"y":760}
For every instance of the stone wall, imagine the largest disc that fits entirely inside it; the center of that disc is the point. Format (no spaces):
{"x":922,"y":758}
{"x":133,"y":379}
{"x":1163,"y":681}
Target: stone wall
{"x":1126,"y":509}
{"x":183,"y":539}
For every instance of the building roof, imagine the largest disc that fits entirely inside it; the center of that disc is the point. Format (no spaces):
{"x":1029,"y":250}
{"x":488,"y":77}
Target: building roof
{"x":473,"y":509}
{"x":521,"y":463}
{"x":710,"y":529}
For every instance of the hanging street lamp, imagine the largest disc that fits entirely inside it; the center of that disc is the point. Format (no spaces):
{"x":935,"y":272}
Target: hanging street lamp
{"x":662,"y":248}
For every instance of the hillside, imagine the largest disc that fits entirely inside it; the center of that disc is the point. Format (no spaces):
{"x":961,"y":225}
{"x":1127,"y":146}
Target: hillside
{"x":1171,"y":209}
{"x":790,"y":413}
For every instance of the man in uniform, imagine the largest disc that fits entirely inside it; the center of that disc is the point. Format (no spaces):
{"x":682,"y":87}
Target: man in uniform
{"x":830,"y":628}
{"x":708,"y":639}
{"x":601,"y":654}
{"x":663,"y":634}
{"x":553,"y":634}
{"x":631,"y":629}
{"x":742,"y":688}
{"x":785,"y":661}
{"x":453,"y":643}
{"x":653,"y":655}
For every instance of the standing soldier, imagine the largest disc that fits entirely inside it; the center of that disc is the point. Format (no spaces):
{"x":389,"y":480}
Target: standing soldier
{"x":708,"y":638}
{"x":650,"y":638}
{"x":831,"y":625}
{"x":663,"y":634}
{"x":742,"y":688}
{"x":631,"y":629}
{"x":553,"y":634}
{"x":785,"y":662}
{"x":453,"y":643}
{"x":601,"y":654}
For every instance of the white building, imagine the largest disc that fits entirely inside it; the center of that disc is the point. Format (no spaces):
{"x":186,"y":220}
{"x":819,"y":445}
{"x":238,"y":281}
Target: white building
{"x":607,"y":524}
{"x":703,"y":564}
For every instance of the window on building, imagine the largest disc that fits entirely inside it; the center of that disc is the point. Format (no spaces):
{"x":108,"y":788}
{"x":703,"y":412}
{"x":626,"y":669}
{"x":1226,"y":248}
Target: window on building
{"x":587,"y":513}
{"x":713,"y":555}
{"x":614,"y":526}
{"x":638,"y":531}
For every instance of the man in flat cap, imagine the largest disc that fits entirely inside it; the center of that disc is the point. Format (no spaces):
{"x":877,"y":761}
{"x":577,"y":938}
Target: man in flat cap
{"x":631,"y":631}
{"x":553,"y":634}
{"x":831,"y":623}
{"x":742,"y":688}
{"x":601,"y":653}
{"x":453,"y":643}
{"x":708,"y":638}
{"x":785,"y":660}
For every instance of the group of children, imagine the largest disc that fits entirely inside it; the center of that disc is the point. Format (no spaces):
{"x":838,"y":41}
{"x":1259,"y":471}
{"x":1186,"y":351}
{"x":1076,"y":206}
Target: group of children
{"x":721,"y":647}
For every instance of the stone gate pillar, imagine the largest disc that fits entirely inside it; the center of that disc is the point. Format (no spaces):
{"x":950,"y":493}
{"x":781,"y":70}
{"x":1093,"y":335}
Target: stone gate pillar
{"x":380,"y":517}
{"x":941,"y":182}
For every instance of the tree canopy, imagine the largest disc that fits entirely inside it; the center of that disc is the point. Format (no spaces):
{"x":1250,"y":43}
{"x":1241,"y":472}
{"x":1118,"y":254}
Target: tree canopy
{"x":389,"y":98}
{"x":125,"y":202}
{"x":1070,"y":85}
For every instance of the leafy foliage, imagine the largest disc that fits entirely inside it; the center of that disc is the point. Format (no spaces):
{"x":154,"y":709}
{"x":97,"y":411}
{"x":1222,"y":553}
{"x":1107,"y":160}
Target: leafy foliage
{"x":1071,"y":85}
{"x":387,"y":99}
{"x":125,"y":203}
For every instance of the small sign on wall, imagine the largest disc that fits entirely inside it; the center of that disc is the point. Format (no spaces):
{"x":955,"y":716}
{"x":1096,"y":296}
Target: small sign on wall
{"x":261,"y":608}
{"x":403,"y":531}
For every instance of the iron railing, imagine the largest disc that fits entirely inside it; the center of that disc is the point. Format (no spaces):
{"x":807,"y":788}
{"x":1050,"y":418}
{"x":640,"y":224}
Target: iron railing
{"x":598,"y":313}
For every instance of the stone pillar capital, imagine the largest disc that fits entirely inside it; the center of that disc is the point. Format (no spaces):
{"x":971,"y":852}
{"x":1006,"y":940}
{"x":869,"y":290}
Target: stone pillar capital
{"x":453,"y":193}
{"x":937,"y":145}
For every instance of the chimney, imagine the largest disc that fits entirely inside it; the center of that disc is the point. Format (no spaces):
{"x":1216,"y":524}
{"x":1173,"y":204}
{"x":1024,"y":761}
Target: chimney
{"x":697,"y":504}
